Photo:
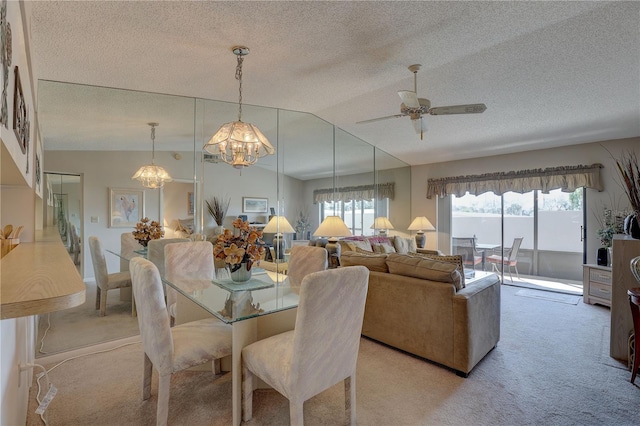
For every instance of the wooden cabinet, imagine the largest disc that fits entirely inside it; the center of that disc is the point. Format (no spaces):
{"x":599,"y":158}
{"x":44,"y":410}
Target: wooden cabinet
{"x":597,"y":284}
{"x":624,"y":249}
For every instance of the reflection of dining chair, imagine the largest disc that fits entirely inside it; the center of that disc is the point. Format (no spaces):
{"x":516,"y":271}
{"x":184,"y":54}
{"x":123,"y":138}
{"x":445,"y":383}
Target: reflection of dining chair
{"x":128,"y":246}
{"x":75,"y":245}
{"x":155,"y":251}
{"x":104,"y":280}
{"x":321,"y":351}
{"x":510,"y":259}
{"x":170,"y":349}
{"x":303,"y":261}
{"x":466,"y":247}
{"x":186,"y":261}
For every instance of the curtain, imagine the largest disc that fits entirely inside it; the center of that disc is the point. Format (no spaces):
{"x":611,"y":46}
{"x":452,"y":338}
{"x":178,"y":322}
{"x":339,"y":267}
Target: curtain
{"x":567,"y":178}
{"x":357,"y":193}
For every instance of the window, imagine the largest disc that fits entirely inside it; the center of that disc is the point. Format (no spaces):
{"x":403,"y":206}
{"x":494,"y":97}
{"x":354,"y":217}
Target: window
{"x":357,"y":215}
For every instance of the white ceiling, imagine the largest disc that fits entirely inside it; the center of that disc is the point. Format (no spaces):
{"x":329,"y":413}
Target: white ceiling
{"x":550,"y":73}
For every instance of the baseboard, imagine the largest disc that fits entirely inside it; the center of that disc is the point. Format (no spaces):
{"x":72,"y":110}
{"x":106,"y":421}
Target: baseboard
{"x":87,"y":350}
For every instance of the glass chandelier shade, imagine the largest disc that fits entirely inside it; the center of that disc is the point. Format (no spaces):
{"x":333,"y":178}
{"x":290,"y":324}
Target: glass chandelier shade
{"x":152,"y":176}
{"x":238,"y":143}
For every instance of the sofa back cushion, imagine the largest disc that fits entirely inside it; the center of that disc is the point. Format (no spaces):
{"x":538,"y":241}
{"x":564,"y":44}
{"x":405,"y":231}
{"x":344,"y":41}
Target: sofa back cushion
{"x":424,"y":268}
{"x":455,"y":259}
{"x":374,"y":262}
{"x":404,"y":245}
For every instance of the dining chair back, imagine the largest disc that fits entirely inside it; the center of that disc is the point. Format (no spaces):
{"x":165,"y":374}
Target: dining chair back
{"x":75,"y":244}
{"x":321,"y":351}
{"x":104,"y":280}
{"x":466,"y":247}
{"x":170,"y":349}
{"x":303,"y":261}
{"x":128,"y":246}
{"x":510,"y":259}
{"x":155,"y":251}
{"x":193,"y":260}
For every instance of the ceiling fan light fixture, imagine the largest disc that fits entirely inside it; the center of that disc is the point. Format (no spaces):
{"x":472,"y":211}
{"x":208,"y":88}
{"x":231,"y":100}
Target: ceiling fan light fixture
{"x":238,"y":143}
{"x":152,"y":176}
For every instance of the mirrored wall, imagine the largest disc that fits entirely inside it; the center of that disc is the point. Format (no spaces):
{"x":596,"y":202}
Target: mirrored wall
{"x":103,"y":135}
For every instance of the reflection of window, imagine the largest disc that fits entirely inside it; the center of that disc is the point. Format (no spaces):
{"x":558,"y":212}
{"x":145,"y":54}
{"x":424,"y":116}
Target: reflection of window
{"x":357,"y":215}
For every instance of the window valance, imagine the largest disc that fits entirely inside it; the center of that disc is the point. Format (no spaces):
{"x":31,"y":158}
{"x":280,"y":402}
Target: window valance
{"x":567,"y":178}
{"x":357,"y":193}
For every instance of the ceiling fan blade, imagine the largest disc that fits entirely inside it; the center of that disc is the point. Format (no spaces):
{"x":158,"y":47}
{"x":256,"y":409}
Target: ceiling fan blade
{"x":380,"y":118}
{"x":420,"y":126}
{"x":409,"y":98}
{"x":458,"y":109}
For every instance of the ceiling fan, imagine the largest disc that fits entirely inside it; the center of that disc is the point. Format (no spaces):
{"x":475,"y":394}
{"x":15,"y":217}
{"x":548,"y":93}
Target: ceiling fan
{"x":415,"y":107}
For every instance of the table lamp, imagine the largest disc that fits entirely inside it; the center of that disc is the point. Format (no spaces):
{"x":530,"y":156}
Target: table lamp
{"x":382,"y":224}
{"x":278,"y":225}
{"x":421,"y":224}
{"x":332,"y":227}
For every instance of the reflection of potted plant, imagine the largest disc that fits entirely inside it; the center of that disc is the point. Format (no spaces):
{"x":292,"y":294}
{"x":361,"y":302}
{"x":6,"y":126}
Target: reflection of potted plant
{"x":611,"y":223}
{"x":218,"y":208}
{"x":302,"y":225}
{"x":146,"y":231}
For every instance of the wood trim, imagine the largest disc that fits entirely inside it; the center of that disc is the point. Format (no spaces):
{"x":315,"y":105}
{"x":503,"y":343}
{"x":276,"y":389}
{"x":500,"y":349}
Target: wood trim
{"x":39,"y":277}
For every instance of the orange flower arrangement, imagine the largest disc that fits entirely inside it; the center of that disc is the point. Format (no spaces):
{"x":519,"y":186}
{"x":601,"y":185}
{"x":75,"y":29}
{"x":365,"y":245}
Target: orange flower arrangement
{"x":146,"y":231}
{"x":247,"y":246}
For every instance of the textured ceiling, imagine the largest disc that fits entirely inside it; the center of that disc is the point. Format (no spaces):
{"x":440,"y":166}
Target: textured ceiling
{"x":550,"y":73}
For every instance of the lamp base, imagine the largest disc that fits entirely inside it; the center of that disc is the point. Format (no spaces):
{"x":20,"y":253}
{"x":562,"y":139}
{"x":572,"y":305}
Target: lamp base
{"x":421,"y":239}
{"x":278,"y":246}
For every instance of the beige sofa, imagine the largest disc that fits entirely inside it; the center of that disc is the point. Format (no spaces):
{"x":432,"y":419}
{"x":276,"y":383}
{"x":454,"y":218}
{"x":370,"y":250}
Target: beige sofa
{"x":424,"y":307}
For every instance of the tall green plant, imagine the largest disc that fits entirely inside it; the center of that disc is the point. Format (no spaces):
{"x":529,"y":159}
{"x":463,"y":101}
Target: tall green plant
{"x":218,"y":208}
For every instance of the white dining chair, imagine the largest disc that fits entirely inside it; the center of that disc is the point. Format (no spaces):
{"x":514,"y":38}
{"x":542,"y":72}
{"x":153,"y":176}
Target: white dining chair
{"x":155,"y":251}
{"x":321,"y":351}
{"x":303,"y":261}
{"x":170,"y":349}
{"x":186,"y":261}
{"x":104,"y":280}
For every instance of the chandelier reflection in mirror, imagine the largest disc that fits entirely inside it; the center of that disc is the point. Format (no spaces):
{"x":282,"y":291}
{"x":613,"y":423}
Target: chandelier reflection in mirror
{"x":238,"y":143}
{"x":152,"y":176}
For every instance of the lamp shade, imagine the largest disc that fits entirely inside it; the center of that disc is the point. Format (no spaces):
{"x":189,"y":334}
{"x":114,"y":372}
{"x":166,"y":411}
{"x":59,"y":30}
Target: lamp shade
{"x":381,"y":222}
{"x":421,"y":223}
{"x":332,"y":226}
{"x":279,"y":224}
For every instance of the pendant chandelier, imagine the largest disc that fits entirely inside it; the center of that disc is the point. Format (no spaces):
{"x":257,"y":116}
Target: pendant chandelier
{"x":152,"y":176}
{"x":238,"y":143}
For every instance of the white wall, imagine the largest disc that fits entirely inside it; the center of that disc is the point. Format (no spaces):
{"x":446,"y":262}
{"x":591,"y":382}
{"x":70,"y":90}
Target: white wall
{"x":612,"y":196}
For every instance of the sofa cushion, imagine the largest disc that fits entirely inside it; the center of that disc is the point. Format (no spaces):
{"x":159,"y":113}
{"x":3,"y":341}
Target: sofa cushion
{"x":426,"y":269}
{"x":404,"y":245}
{"x":455,"y":259}
{"x":374,"y":262}
{"x":383,"y":248}
{"x":346,"y":245}
{"x":363,"y":245}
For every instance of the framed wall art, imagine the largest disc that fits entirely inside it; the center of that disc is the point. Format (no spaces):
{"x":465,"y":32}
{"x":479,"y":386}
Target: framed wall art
{"x":254,"y":205}
{"x":20,"y":115}
{"x":126,"y":207}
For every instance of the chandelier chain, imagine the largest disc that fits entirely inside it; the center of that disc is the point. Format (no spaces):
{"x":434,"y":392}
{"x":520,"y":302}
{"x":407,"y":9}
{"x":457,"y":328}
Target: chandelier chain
{"x":153,"y":144}
{"x":239,"y":78}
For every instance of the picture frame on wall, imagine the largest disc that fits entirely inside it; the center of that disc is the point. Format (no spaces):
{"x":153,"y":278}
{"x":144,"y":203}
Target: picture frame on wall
{"x":126,"y":207}
{"x":190,"y":204}
{"x":255,"y":205}
{"x":20,"y":115}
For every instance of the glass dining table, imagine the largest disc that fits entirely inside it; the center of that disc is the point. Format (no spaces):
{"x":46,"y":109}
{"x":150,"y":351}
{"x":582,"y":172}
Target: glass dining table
{"x":261,"y":307}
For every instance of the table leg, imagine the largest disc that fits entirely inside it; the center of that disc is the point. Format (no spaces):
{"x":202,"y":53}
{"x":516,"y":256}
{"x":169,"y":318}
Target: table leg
{"x":244,"y":333}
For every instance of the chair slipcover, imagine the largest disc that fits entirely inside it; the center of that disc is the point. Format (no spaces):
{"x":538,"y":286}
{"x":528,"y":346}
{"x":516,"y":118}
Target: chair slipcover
{"x":303,"y":261}
{"x":323,"y":348}
{"x":171,"y":349}
{"x":104,"y":280}
{"x":155,"y":251}
{"x":186,"y":260}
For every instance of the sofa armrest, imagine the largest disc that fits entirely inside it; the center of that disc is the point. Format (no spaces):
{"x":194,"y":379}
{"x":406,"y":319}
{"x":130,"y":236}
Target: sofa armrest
{"x":476,"y":319}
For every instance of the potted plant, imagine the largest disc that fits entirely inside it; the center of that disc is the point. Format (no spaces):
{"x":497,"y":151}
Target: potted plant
{"x":630,"y":175}
{"x":218,"y":208}
{"x":240,"y":250}
{"x":147,"y":230}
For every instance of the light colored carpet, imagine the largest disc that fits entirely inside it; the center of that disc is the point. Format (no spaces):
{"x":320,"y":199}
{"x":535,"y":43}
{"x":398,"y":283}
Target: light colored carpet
{"x":548,"y":295}
{"x":551,"y":367}
{"x":82,"y":326}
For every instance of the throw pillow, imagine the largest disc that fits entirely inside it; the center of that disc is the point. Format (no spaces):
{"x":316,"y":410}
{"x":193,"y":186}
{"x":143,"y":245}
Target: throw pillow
{"x":364,"y":245}
{"x":405,"y":245}
{"x":383,"y":248}
{"x":377,"y":239}
{"x":423,"y":268}
{"x":456,"y":260}
{"x":373,"y":262}
{"x":346,"y":245}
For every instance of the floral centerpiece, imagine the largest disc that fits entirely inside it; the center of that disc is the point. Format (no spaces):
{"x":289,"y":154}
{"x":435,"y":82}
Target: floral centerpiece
{"x":146,"y":231}
{"x":239,"y":249}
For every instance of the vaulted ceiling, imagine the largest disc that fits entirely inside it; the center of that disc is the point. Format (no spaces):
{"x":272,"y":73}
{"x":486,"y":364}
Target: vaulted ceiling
{"x":550,"y":73}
